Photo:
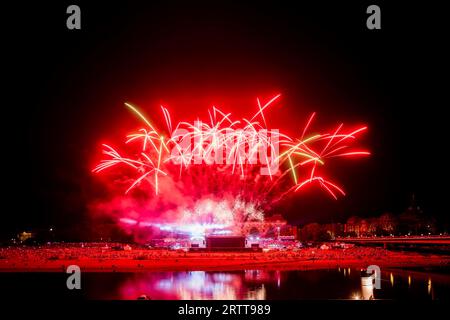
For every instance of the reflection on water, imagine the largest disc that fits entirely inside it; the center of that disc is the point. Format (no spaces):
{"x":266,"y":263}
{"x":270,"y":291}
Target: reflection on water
{"x":400,"y":284}
{"x":339,"y":283}
{"x":430,"y":287}
{"x":196,"y":285}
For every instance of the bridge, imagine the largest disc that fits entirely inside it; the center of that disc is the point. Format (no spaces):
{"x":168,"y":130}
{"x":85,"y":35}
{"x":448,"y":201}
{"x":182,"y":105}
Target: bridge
{"x":413,"y":240}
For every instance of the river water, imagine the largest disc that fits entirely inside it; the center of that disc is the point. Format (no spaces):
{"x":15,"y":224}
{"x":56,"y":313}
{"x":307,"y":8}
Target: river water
{"x":340,"y":283}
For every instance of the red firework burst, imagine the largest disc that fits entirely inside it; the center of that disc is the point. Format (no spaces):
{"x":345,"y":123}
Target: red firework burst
{"x":240,"y":164}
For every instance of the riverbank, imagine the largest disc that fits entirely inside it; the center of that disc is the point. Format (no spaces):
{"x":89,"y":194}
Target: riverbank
{"x":54,"y":259}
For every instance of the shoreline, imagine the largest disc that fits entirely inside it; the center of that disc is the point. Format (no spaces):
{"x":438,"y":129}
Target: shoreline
{"x":141,"y":260}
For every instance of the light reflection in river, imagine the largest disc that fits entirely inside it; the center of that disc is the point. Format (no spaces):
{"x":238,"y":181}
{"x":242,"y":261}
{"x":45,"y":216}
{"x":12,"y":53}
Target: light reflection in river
{"x":261,"y":285}
{"x":336,"y":283}
{"x":196,"y":285}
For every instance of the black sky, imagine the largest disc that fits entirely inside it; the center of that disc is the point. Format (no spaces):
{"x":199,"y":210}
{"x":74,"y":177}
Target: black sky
{"x":66,"y":90}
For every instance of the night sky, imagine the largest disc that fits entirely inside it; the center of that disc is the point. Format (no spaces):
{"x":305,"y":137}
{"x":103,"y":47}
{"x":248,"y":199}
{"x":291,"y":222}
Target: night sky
{"x":65,"y":91}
